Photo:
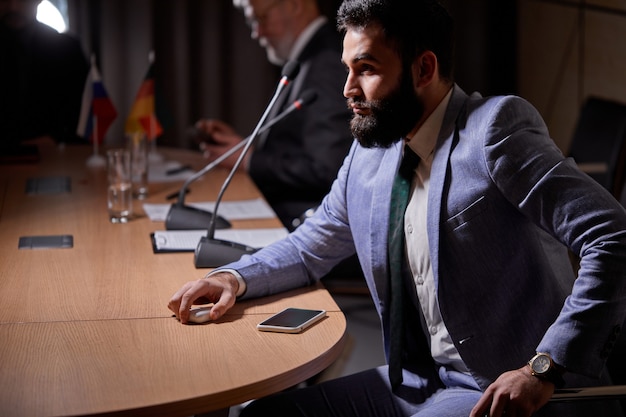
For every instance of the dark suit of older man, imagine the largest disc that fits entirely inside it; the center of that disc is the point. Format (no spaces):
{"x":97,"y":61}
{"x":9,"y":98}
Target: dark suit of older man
{"x":295,"y":164}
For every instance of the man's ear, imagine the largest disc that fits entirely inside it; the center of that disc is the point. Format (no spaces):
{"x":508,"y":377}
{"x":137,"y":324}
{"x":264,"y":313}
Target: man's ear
{"x":424,"y":69}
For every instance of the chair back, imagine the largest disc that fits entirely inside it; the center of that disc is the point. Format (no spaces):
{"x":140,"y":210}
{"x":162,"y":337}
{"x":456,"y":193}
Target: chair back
{"x":598,"y":142}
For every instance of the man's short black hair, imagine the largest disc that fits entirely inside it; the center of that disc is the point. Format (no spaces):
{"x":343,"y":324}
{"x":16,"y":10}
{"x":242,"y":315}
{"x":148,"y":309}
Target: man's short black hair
{"x":411,"y":26}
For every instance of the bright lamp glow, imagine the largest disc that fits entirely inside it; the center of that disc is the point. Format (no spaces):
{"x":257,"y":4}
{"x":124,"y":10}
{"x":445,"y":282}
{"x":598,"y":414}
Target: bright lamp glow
{"x":48,"y":13}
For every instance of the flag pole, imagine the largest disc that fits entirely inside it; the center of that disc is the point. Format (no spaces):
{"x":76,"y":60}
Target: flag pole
{"x":153,"y":155}
{"x":96,"y":109}
{"x":96,"y":160}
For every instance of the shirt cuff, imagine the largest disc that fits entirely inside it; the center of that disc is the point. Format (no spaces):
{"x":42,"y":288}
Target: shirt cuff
{"x":242,"y":283}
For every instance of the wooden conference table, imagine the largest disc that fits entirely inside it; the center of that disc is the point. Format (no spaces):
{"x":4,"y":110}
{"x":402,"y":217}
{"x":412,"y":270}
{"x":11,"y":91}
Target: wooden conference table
{"x":86,"y":330}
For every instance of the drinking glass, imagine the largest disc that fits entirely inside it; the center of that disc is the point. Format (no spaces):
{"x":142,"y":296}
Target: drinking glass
{"x":119,"y":194}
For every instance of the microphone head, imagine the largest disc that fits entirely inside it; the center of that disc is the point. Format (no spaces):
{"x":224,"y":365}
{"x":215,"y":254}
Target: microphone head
{"x":291,"y":69}
{"x":308,"y":97}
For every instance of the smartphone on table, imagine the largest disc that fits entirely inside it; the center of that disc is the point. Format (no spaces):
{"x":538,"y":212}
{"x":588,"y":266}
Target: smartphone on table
{"x":291,"y":320}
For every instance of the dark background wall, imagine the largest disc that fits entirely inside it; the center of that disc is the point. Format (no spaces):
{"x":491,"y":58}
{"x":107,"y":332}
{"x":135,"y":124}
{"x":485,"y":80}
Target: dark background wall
{"x":207,"y":65}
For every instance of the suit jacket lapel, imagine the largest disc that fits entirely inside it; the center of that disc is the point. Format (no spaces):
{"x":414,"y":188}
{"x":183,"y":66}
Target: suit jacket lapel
{"x":381,"y":206}
{"x":439,"y":171}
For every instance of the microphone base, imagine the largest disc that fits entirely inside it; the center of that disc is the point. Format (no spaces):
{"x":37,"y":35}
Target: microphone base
{"x":212,"y":253}
{"x":181,"y":217}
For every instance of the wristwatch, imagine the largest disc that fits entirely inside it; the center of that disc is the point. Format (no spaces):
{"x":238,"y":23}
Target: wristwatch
{"x":543,"y":367}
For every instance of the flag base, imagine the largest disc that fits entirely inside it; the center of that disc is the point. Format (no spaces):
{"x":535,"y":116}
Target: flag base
{"x":96,"y":161}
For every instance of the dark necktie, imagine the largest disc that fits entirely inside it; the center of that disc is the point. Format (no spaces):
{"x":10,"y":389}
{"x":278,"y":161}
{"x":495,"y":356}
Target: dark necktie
{"x":399,"y":200}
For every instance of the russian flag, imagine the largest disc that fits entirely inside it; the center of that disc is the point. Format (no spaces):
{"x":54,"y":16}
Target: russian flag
{"x":97,"y":111}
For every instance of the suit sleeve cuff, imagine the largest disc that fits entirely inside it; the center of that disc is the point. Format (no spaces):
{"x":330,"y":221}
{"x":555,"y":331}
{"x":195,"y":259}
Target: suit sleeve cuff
{"x":242,"y":284}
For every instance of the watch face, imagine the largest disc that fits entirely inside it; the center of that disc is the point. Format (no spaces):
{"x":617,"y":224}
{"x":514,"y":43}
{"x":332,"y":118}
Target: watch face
{"x":541,"y":364}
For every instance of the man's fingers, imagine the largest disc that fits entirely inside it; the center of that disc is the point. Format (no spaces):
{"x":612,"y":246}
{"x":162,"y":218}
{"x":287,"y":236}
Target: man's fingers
{"x":219,"y":289}
{"x":174,"y":303}
{"x":183,"y":299}
{"x":482,"y":406}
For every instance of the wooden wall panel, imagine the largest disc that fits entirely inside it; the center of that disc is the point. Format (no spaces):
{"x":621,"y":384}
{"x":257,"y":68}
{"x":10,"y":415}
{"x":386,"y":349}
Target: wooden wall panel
{"x":567,"y":51}
{"x":548,"y":57}
{"x":605,"y":55}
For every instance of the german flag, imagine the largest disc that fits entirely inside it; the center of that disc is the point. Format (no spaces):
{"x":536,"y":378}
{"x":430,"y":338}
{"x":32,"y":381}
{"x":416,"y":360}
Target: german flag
{"x":142,"y":117}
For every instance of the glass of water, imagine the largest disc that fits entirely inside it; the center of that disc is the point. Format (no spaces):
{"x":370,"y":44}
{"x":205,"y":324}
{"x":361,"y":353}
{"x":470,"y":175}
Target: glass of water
{"x":120,"y":189}
{"x":138,"y":146}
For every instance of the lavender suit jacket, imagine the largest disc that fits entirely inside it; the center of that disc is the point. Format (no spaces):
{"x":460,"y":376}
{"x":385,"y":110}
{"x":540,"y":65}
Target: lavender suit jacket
{"x":504,"y":206}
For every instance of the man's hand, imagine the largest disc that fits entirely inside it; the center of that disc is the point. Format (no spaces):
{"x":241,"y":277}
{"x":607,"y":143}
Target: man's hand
{"x":220,"y":289}
{"x":222,"y":138}
{"x":517,"y":393}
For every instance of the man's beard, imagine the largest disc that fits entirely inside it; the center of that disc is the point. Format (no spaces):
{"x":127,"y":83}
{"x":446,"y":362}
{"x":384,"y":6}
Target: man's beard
{"x":391,"y":117}
{"x":278,"y":54}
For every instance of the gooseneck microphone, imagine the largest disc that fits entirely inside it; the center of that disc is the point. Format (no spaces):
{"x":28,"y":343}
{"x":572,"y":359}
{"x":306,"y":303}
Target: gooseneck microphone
{"x":211,"y":252}
{"x":183,"y":217}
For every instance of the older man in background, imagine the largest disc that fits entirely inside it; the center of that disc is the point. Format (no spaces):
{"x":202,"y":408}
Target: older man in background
{"x":295,"y":162}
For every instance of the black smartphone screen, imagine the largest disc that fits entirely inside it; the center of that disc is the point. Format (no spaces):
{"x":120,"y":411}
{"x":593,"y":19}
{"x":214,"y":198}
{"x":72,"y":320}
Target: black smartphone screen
{"x":291,"y":320}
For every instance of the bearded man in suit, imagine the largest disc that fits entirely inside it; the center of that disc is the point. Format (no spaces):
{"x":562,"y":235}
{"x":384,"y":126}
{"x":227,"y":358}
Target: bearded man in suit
{"x":492,"y":316}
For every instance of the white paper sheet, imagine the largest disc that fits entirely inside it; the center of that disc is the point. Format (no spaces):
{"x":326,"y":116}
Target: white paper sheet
{"x":230,"y":210}
{"x":187,"y":240}
{"x":158,"y":172}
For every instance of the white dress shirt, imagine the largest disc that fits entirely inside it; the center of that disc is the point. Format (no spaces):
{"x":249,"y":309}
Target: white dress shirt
{"x":305,"y":36}
{"x":418,"y":253}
